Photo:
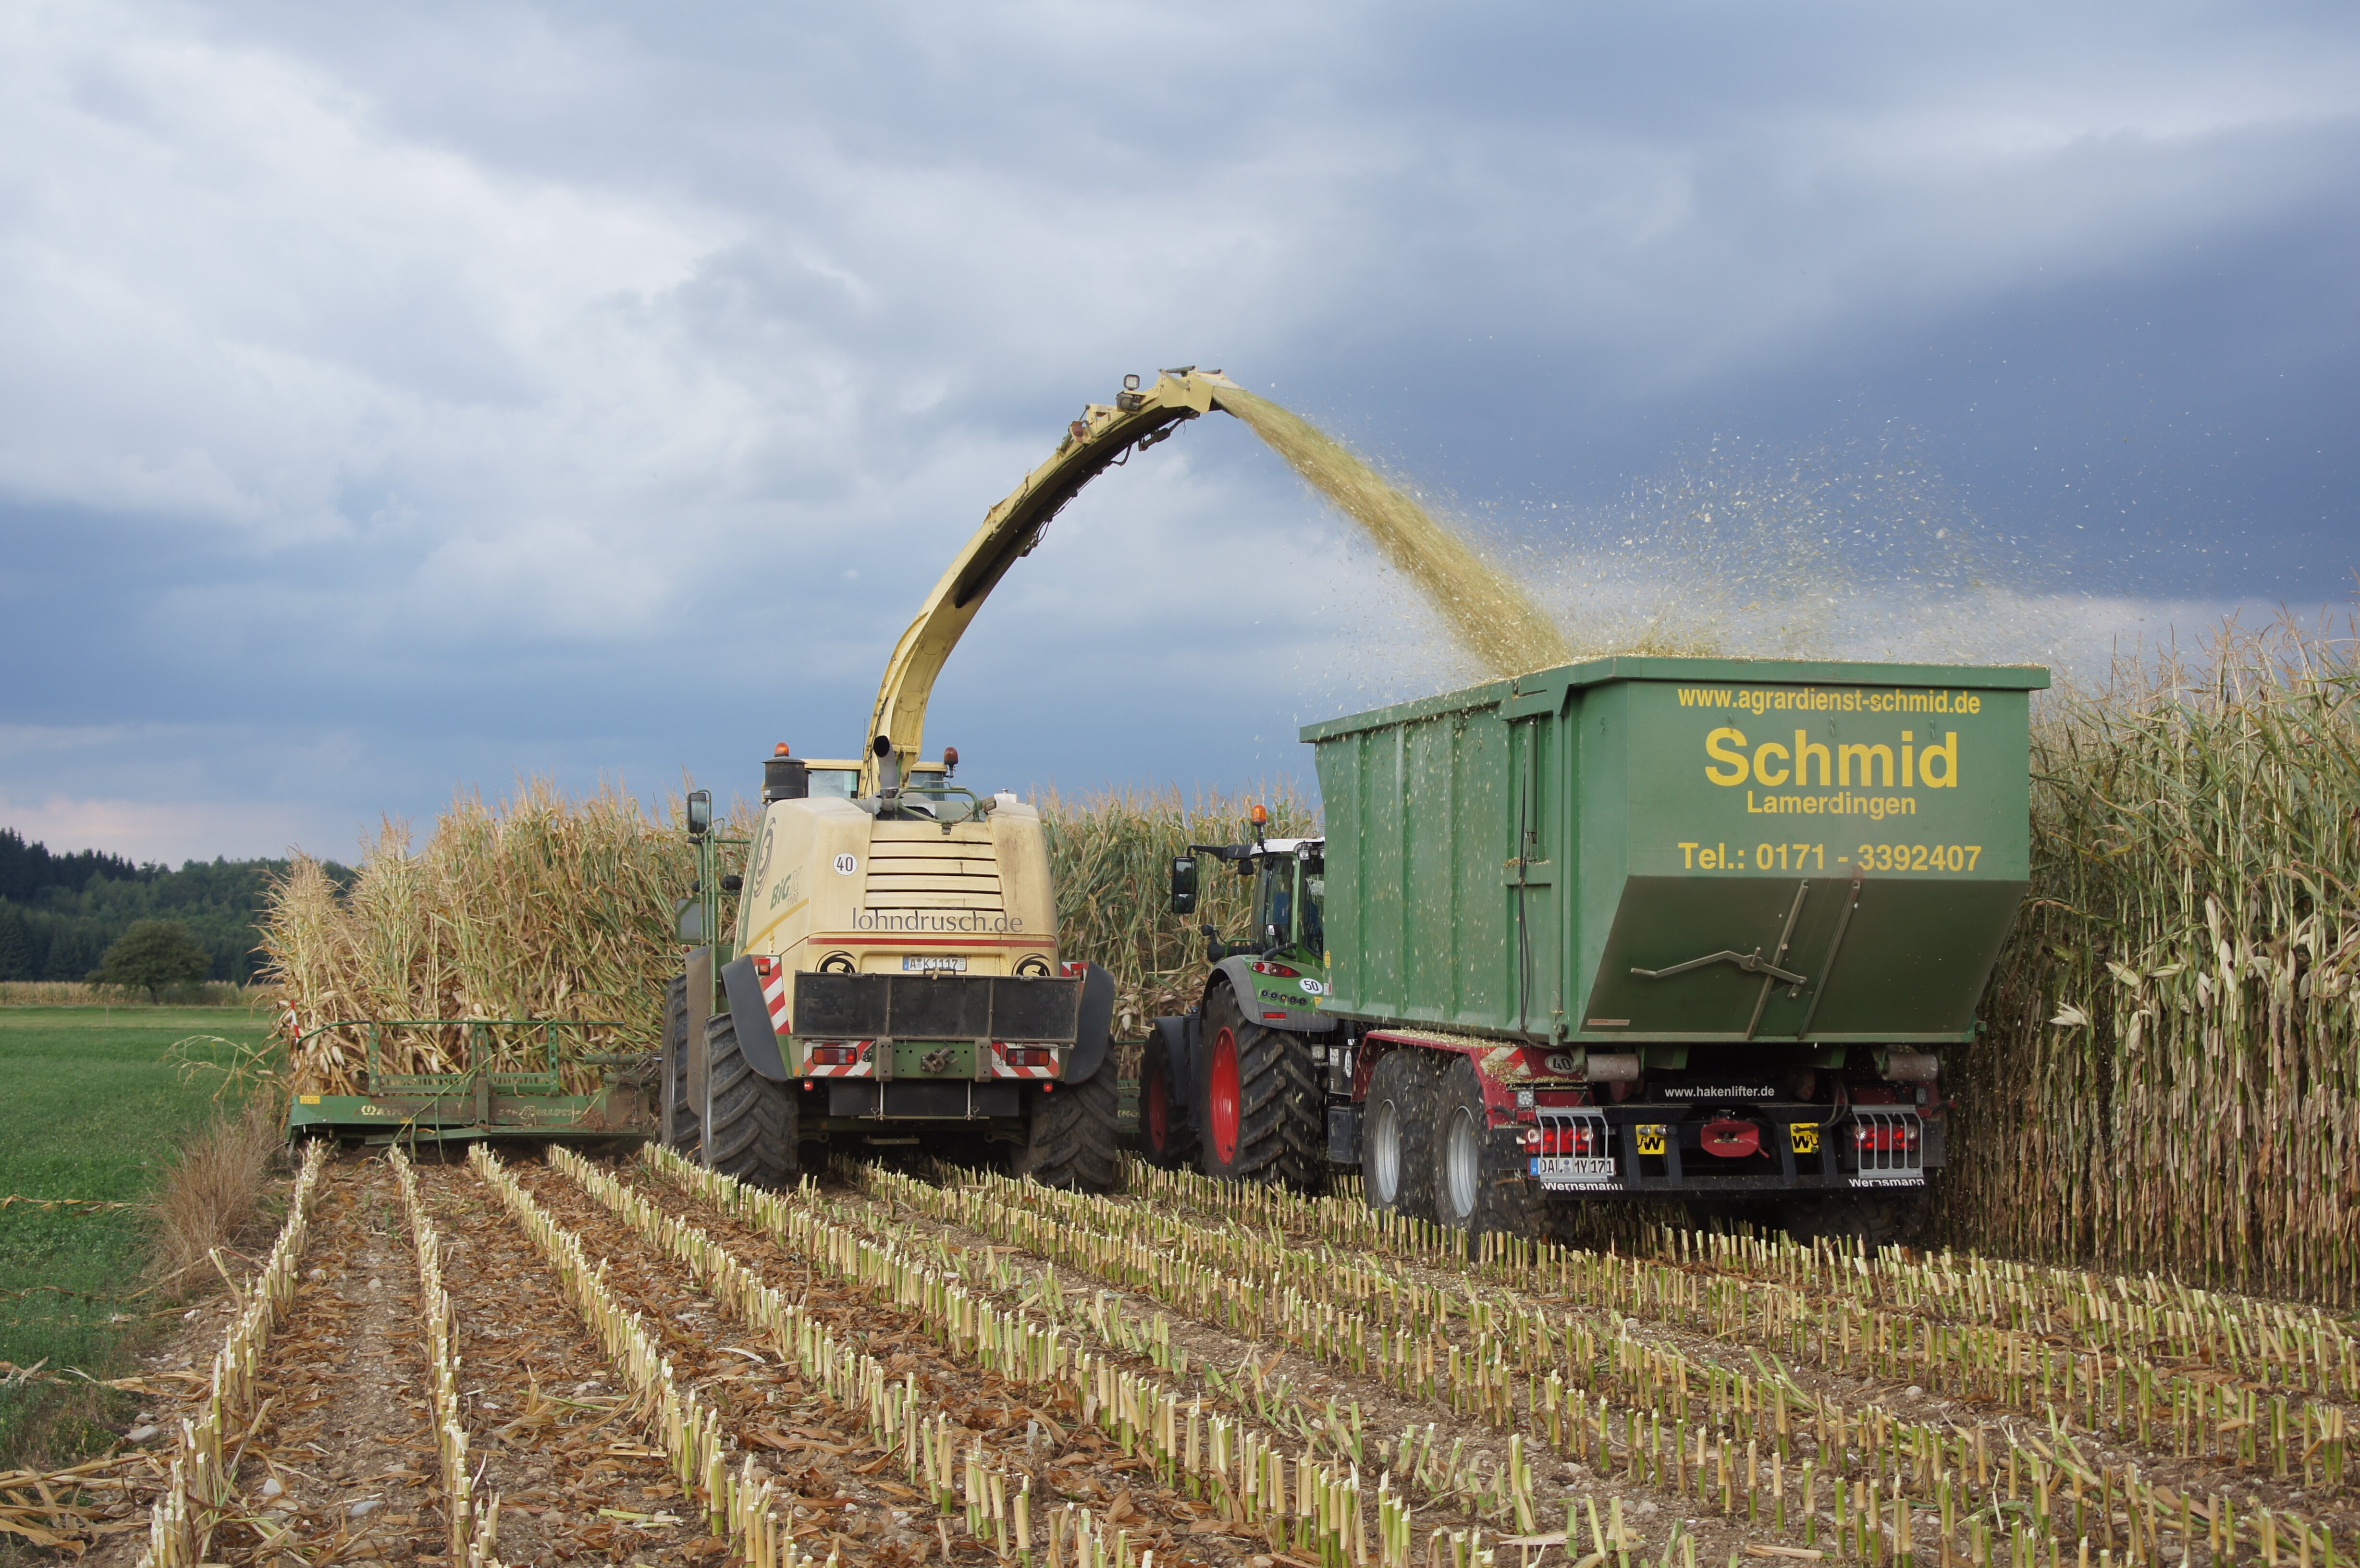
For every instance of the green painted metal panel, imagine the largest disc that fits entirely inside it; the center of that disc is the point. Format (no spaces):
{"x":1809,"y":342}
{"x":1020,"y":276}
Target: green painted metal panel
{"x":1788,"y":850}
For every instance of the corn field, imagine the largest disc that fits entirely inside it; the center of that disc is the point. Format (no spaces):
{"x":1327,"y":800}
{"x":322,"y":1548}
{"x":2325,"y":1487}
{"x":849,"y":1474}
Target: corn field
{"x":544,"y":908}
{"x":2171,"y":1079}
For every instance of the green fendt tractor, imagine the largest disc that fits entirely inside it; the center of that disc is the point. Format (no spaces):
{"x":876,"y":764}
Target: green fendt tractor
{"x":1241,"y":1083}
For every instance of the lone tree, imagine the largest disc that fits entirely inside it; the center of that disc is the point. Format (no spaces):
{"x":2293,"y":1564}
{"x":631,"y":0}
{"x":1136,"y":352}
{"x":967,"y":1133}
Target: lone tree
{"x":151,"y":955}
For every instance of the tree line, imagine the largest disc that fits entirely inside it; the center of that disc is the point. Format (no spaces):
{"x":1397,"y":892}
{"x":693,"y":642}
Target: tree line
{"x":59,"y":914}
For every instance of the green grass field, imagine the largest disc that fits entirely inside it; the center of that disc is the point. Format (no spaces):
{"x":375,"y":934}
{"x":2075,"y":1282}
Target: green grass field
{"x":90,"y":1109}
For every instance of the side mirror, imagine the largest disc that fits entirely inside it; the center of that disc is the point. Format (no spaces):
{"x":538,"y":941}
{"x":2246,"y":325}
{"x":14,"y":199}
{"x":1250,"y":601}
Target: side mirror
{"x":690,"y":918}
{"x":1183,"y":886}
{"x":700,"y":812}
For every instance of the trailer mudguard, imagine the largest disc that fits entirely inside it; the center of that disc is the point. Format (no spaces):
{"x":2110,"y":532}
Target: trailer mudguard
{"x":758,"y":1038}
{"x":1089,"y":1051}
{"x":1273,"y":1000}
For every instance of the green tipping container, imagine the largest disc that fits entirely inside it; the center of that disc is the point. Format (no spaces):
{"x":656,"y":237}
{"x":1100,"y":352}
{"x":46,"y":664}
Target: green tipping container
{"x":1663,"y":851}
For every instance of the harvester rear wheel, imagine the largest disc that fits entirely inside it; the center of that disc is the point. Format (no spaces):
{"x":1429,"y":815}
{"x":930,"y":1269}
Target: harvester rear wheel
{"x":1397,"y":1136}
{"x":681,"y":1129}
{"x":1166,"y":1131}
{"x":1069,"y":1139}
{"x":1264,"y":1116}
{"x":749,"y":1123}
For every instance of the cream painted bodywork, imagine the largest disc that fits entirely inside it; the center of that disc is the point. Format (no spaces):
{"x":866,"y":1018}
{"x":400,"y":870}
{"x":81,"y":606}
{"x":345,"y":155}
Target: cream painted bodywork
{"x":825,"y":877}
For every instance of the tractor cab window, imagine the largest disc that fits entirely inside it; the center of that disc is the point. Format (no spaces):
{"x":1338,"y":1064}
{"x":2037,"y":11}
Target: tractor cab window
{"x":1277,"y":901}
{"x":1313,"y":905}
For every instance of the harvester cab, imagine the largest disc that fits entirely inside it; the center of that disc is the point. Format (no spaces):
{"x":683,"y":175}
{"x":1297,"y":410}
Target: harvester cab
{"x":885,"y":969}
{"x":1240,"y":1082}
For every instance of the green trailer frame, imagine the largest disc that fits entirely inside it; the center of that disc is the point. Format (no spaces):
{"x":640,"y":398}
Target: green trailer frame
{"x":482,"y":1102}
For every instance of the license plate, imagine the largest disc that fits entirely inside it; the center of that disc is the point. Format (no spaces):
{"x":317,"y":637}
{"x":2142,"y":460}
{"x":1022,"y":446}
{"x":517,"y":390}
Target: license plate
{"x":931,"y":964}
{"x":1571,"y":1169}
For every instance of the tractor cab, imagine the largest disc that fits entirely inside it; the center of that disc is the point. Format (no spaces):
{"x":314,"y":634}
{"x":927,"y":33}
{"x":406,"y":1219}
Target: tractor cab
{"x":1290,"y":891}
{"x":1289,"y":877}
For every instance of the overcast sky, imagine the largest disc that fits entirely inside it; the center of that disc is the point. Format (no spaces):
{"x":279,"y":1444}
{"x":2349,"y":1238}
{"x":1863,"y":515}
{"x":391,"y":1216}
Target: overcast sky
{"x":400,"y":398}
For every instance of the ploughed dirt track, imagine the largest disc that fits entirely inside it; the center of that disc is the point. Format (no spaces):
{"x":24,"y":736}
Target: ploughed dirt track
{"x":539,"y":1358}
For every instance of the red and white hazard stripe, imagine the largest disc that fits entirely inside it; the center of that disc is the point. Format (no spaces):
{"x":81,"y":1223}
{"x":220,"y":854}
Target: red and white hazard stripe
{"x":773,"y":976}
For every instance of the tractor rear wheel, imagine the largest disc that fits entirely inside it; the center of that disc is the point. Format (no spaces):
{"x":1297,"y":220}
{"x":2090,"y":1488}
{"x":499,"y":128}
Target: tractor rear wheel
{"x":1264,"y":1114}
{"x":1166,"y":1131}
{"x":1397,"y":1136}
{"x":1069,"y":1138}
{"x":1471,"y":1189}
{"x":681,"y":1129}
{"x":750,"y":1122}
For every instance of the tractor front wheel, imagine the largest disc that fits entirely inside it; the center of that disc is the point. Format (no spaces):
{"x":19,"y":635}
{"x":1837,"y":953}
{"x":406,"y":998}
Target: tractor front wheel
{"x":1264,"y":1114}
{"x":681,"y":1129}
{"x":750,"y":1122}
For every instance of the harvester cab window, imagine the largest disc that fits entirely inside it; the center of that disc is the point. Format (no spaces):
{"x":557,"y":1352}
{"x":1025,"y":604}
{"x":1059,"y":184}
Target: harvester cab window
{"x":833,"y":783}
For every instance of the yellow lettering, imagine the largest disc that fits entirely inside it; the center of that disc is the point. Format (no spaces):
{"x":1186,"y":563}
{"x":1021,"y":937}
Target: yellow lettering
{"x":1688,"y":855}
{"x":1762,"y":755}
{"x":1909,"y":761}
{"x":1718,"y":745}
{"x":1845,"y":754}
{"x":1948,"y":755}
{"x":1804,"y":746}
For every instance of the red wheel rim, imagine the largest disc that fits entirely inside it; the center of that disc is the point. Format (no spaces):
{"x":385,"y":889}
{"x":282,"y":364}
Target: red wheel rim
{"x":1159,"y":1112}
{"x":1221,"y":1101}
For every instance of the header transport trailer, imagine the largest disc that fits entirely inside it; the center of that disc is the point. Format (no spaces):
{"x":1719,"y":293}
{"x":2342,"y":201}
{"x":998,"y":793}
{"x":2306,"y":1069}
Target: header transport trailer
{"x":1684,"y":928}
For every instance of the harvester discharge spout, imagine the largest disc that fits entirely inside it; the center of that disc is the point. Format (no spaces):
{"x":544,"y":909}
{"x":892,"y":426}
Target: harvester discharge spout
{"x":1104,"y":435}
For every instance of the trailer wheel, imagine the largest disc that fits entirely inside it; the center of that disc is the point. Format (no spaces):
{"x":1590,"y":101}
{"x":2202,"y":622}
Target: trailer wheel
{"x":1266,"y":1115}
{"x":1397,"y":1139}
{"x":750,"y":1122}
{"x":681,"y":1130}
{"x":1069,"y":1138}
{"x":1165,"y":1130}
{"x":1467,"y":1195}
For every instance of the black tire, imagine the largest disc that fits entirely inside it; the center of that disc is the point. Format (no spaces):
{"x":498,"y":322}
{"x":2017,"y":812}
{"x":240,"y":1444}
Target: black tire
{"x":1264,"y":1116}
{"x":1397,"y":1136}
{"x":1166,"y":1134}
{"x":1479,"y":1171}
{"x":750,"y":1122}
{"x":681,"y":1129}
{"x":1879,"y":1220}
{"x":1069,"y":1138}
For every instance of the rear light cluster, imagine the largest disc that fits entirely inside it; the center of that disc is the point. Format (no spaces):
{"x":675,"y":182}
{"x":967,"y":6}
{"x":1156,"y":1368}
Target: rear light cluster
{"x":1883,"y":1138}
{"x":1580,"y":1138}
{"x":836,"y":1053}
{"x":1263,"y":966}
{"x":1027,"y":1056}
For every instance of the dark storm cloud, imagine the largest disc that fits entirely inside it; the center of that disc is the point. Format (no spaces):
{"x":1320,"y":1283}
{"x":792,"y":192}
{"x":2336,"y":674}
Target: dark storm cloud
{"x":398,"y":396}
